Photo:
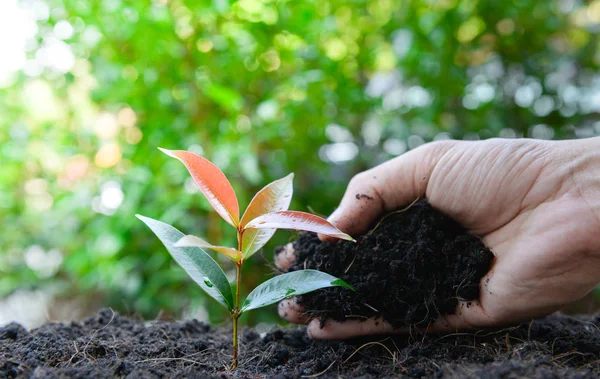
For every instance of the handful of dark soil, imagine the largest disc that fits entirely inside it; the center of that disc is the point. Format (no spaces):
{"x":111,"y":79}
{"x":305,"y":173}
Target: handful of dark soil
{"x":411,"y":268}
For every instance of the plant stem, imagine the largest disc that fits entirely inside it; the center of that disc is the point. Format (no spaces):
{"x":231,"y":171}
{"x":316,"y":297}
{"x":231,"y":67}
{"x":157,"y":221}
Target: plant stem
{"x":236,"y":315}
{"x":236,"y":311}
{"x":235,"y":342}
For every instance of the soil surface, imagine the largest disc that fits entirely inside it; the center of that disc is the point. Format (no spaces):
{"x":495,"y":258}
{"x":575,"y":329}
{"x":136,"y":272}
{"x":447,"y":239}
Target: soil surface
{"x":412,"y":267}
{"x":418,"y":256}
{"x":110,"y":345}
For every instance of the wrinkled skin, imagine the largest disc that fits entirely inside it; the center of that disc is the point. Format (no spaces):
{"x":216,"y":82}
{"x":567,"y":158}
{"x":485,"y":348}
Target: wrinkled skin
{"x":536,"y":204}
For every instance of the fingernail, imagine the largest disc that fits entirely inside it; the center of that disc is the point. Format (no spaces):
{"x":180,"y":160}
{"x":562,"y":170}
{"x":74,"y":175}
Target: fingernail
{"x":285,"y":256}
{"x":332,"y":217}
{"x":280,"y":310}
{"x":289,"y":250}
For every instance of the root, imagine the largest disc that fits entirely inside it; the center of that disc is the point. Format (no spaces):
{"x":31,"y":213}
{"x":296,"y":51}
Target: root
{"x":393,"y":213}
{"x":370,"y":306}
{"x":183,"y":359}
{"x":350,"y":265}
{"x":320,"y":373}
{"x":356,"y":316}
{"x":83,"y":352}
{"x":394,"y":358}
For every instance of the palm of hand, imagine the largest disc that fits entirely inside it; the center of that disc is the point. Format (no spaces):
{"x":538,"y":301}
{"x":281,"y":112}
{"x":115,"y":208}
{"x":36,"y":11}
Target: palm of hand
{"x":525,"y":203}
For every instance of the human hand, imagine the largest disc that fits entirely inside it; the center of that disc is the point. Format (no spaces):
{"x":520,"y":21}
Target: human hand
{"x":536,"y":204}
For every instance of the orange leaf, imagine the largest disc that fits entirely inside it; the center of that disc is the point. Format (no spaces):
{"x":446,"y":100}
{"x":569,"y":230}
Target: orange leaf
{"x":298,"y":221}
{"x":193,"y":241}
{"x":274,"y":197}
{"x":212,"y":182}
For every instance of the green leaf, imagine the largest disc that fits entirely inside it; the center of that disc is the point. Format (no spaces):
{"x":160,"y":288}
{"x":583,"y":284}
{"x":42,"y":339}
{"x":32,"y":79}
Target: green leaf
{"x":290,"y":284}
{"x":276,"y":196}
{"x":195,"y":261}
{"x":190,"y":241}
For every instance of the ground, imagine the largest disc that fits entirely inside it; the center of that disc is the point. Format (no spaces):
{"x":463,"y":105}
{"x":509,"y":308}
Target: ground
{"x":409,"y":269}
{"x":110,"y":345}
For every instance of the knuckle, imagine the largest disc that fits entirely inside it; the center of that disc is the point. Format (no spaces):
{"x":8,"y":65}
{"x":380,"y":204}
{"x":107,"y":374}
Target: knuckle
{"x":364,"y":185}
{"x":440,"y":145}
{"x":358,"y":180}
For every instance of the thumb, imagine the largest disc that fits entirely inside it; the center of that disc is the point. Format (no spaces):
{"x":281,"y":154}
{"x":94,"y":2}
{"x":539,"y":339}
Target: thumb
{"x":386,"y":187}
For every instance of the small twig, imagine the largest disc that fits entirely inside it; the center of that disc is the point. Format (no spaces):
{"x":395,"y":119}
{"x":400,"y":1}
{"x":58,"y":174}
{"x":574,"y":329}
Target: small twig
{"x":507,"y":342}
{"x":350,"y":265}
{"x":426,"y":315}
{"x":320,"y":373}
{"x":267,"y":355}
{"x":90,"y":340}
{"x":432,"y":362}
{"x":461,"y":284}
{"x":169,"y":359}
{"x":370,"y":344}
{"x":456,"y":334}
{"x":529,"y":331}
{"x":99,"y":330}
{"x":589,"y":364}
{"x":585,"y":322}
{"x":74,"y":355}
{"x":392,"y":213}
{"x":370,"y":306}
{"x":563,"y":355}
{"x":356,"y":316}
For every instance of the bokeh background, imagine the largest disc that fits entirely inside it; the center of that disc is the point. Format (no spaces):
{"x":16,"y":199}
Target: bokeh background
{"x":323,"y":88}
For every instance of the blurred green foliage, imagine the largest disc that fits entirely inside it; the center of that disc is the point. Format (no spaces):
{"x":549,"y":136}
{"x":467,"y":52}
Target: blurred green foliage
{"x":321,"y":88}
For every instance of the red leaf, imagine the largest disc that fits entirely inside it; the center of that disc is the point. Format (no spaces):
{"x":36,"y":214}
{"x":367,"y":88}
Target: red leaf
{"x":212,"y":182}
{"x":274,"y":197}
{"x":298,"y":221}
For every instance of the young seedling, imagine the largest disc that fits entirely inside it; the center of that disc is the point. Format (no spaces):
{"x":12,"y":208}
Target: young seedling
{"x":267,"y":212}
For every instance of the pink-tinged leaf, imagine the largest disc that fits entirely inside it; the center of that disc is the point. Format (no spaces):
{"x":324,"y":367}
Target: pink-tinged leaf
{"x":193,"y":241}
{"x":254,"y":239}
{"x":212,"y":182}
{"x":298,"y":221}
{"x":274,"y":197}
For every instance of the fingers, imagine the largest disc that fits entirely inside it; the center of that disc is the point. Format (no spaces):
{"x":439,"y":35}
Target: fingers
{"x":386,"y":187}
{"x":291,"y":311}
{"x":335,"y":330}
{"x":285,"y":256}
{"x":469,"y":316}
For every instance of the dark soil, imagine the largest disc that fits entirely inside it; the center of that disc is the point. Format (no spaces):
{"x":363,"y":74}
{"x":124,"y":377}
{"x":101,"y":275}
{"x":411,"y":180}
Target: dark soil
{"x":412,"y":267}
{"x":110,"y":345}
{"x":418,"y":256}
